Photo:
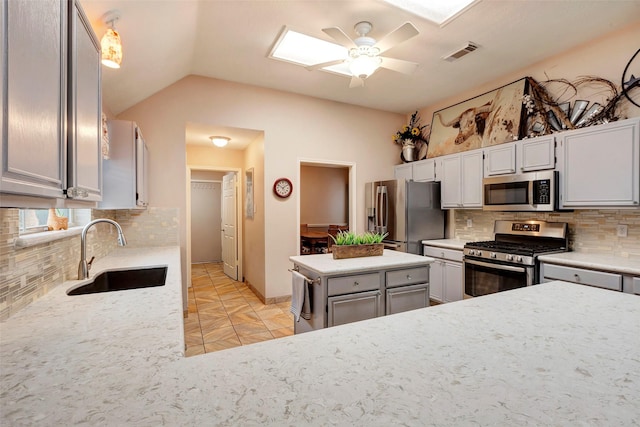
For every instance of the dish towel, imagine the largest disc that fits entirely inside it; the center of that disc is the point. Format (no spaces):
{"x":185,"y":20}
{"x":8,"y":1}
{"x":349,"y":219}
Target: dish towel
{"x":300,"y":303}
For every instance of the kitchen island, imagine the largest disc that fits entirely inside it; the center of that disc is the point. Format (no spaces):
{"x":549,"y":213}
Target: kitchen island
{"x":550,"y":354}
{"x":349,"y":290}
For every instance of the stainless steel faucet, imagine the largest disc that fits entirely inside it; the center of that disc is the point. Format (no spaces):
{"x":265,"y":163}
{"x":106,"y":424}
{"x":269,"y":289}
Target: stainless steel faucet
{"x":84,"y":267}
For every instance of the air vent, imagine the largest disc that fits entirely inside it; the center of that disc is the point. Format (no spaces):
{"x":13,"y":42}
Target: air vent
{"x":468,"y":48}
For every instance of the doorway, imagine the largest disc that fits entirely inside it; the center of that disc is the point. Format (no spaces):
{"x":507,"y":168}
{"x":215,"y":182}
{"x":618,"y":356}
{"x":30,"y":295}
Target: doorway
{"x":206,"y":219}
{"x":327,"y":197}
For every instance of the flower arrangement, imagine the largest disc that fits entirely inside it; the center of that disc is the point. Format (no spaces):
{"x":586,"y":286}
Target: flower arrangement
{"x":411,"y":133}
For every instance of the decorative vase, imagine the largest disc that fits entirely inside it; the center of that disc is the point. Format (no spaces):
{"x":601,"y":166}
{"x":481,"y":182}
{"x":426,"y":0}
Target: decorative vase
{"x":55,"y":222}
{"x":408,"y":150}
{"x":357,"y":251}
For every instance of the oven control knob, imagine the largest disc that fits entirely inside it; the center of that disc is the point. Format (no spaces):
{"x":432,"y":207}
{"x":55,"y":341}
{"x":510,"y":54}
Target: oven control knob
{"x":509,"y":257}
{"x":519,"y":259}
{"x":472,"y":252}
{"x":479,"y":253}
{"x":492,"y":255}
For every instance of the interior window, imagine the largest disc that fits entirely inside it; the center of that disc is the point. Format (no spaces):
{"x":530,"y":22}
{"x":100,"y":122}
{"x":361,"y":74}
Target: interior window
{"x":35,"y":220}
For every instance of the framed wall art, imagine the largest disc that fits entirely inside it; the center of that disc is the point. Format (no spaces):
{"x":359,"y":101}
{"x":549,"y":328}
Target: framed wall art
{"x":248,"y":196}
{"x":493,"y":118}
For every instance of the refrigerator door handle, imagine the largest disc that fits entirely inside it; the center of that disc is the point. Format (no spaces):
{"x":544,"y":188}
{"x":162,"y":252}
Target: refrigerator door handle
{"x":382,"y":209}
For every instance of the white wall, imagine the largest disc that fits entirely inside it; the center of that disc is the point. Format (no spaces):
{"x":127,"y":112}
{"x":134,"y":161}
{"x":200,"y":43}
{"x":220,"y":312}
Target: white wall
{"x":294,"y":127}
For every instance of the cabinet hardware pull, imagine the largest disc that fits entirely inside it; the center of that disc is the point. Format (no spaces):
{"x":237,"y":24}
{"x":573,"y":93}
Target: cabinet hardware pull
{"x":577,"y":277}
{"x":356,"y":284}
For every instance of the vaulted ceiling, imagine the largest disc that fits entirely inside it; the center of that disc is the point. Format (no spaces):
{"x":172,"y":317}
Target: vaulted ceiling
{"x":166,"y":40}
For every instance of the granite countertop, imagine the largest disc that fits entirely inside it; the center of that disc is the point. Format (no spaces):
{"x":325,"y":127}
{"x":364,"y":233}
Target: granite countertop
{"x":325,"y":264}
{"x":603,"y":262}
{"x":446,"y":243}
{"x":528,"y":357}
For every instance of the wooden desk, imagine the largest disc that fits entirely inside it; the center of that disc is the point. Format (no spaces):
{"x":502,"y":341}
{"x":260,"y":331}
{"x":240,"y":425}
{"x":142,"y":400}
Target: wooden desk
{"x":313,"y":238}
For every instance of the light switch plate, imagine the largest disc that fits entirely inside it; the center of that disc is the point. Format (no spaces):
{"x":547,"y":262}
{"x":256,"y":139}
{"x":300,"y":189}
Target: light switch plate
{"x":469,"y":223}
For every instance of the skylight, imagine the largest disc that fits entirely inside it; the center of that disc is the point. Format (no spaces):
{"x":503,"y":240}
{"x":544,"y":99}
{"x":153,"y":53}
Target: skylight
{"x":305,"y":50}
{"x":438,"y":11}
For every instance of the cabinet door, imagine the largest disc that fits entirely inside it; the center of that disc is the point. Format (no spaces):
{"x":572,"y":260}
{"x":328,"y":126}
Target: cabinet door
{"x":453,"y":283}
{"x":436,"y":281}
{"x":424,"y":170}
{"x":472,"y":179}
{"x":353,"y":307}
{"x":500,"y":159}
{"x":33,"y":87}
{"x":142,"y":168}
{"x":407,"y":298}
{"x":404,"y":171}
{"x":451,"y":191}
{"x":600,"y":166}
{"x":84,"y":136}
{"x":537,"y":154}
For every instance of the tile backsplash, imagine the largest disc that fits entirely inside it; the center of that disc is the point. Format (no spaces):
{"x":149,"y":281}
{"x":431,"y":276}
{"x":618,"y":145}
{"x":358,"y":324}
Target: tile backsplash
{"x":590,"y":231}
{"x":27,"y":274}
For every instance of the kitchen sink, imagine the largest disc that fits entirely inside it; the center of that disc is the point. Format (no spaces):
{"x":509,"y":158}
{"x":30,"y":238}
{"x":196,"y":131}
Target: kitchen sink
{"x":119,"y":280}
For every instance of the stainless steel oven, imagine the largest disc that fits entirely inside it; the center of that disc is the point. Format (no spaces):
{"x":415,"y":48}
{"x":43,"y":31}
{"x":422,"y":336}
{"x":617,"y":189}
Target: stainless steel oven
{"x":482,"y":278}
{"x":510,"y":261}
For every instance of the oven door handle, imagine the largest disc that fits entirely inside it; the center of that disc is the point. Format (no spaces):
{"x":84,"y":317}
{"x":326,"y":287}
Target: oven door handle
{"x":496,"y":266}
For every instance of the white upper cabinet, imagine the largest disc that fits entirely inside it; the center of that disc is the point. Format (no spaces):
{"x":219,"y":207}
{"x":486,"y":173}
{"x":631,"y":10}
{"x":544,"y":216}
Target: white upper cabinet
{"x":125,"y":183}
{"x":461,"y":178}
{"x":34,"y":97}
{"x":403,"y":171}
{"x":536,"y":154}
{"x":51,"y":96}
{"x":424,"y":170}
{"x":84,"y":129}
{"x":500,"y":159}
{"x":526,"y":155}
{"x":600,"y":166}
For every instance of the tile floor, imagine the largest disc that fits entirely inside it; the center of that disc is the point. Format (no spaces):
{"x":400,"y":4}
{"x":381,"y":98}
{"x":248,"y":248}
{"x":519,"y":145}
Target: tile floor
{"x":224,"y":313}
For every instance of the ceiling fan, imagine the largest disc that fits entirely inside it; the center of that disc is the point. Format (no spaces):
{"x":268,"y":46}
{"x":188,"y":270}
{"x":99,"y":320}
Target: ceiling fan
{"x":364,"y":51}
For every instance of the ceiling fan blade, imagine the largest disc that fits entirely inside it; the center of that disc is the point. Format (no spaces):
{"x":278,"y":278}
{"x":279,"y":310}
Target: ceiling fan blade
{"x":324,"y":64}
{"x":397,"y":36}
{"x":338,"y":35}
{"x":399,"y":65}
{"x":356,"y":82}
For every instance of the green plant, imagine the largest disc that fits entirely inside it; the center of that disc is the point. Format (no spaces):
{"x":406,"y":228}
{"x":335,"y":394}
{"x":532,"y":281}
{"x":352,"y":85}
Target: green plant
{"x":350,"y":238}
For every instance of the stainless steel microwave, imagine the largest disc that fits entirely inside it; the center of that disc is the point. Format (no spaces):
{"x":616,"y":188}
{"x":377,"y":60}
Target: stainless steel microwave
{"x":530,"y":191}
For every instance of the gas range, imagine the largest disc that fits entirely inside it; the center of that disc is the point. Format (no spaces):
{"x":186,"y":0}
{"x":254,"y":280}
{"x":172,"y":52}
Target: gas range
{"x":511,"y":260}
{"x":520,"y":242}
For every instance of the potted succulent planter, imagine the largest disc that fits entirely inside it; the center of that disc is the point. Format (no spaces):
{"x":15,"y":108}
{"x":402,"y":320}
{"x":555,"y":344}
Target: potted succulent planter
{"x":351,"y":245}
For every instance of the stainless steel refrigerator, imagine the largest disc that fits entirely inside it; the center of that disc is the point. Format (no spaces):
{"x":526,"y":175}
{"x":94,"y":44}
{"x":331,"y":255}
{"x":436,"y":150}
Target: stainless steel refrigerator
{"x":409,"y":211}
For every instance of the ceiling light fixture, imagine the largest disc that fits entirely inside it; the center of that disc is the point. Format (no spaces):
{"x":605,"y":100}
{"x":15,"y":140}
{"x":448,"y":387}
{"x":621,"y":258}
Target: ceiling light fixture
{"x":363,"y":66}
{"x":219,"y":141}
{"x":111,"y":43}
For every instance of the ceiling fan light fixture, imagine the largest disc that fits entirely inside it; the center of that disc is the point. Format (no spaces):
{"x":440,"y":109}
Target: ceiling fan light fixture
{"x":220,"y":141}
{"x":363,"y":66}
{"x":111,"y":45}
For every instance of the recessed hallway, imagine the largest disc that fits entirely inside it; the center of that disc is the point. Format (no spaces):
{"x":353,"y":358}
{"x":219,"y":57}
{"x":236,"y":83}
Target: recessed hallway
{"x":224,"y":313}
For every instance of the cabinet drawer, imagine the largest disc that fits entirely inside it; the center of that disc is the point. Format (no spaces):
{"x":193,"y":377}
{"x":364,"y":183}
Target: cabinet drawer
{"x":407,"y":276}
{"x":351,"y":284}
{"x":450,"y":254}
{"x":599,"y":279}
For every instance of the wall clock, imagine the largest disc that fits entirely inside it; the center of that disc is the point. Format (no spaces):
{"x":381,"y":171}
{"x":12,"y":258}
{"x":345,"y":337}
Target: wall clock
{"x":282,"y":187}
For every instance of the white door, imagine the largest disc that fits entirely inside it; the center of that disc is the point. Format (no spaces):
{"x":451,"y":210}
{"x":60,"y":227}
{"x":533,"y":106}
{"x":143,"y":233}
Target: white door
{"x":229,"y":229}
{"x":206,"y":221}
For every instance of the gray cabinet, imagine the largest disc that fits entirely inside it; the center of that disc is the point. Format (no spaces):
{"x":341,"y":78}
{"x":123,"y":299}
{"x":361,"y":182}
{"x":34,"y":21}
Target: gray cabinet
{"x":500,"y":159}
{"x":339,"y":298}
{"x":51,"y":96}
{"x":600,"y":166}
{"x":536,"y":154}
{"x":446,"y":278}
{"x":34,"y":73}
{"x":352,"y":298}
{"x":125,"y":181}
{"x":84,"y":110}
